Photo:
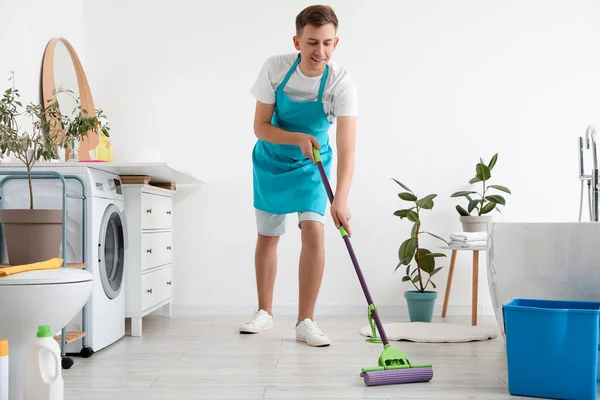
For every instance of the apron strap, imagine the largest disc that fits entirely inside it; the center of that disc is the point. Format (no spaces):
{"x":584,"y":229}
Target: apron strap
{"x":289,"y":73}
{"x":323,"y":82}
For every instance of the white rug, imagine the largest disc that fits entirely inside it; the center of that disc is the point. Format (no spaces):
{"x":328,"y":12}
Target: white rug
{"x":434,"y":332}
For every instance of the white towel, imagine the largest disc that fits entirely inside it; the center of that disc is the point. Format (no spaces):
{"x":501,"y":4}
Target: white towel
{"x":468,"y":236}
{"x":468,"y":245}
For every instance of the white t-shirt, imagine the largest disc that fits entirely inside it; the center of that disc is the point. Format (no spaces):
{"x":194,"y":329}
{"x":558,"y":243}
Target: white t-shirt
{"x":339,"y":96}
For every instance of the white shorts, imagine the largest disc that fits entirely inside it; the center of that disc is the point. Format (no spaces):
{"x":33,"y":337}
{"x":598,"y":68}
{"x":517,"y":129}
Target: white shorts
{"x":274,"y":224}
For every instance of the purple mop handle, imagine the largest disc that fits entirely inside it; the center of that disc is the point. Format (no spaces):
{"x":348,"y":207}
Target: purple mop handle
{"x":361,"y":278}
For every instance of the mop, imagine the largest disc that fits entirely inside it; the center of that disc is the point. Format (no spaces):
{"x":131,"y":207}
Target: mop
{"x":393,"y":367}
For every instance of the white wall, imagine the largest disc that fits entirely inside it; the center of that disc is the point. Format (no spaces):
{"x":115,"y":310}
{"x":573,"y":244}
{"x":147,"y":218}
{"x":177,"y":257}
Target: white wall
{"x":441,"y":84}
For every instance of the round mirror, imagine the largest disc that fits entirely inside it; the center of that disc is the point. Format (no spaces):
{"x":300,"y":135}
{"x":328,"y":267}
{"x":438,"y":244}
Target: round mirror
{"x":61,"y":68}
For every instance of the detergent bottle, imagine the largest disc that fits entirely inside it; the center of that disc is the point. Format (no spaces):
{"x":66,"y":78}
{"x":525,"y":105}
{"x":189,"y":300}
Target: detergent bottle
{"x":3,"y":369}
{"x":104,"y":149}
{"x":43,"y":370}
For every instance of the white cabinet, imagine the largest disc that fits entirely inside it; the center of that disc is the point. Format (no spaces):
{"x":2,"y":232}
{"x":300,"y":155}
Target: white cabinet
{"x":149,"y":253}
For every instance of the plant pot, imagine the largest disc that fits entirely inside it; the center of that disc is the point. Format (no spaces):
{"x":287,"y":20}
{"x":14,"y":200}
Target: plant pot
{"x":420,"y":304}
{"x":31,"y":235}
{"x":477,"y":223}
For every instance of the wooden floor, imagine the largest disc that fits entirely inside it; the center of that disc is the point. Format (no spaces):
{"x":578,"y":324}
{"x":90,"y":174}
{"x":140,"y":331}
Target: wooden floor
{"x":206,"y":358}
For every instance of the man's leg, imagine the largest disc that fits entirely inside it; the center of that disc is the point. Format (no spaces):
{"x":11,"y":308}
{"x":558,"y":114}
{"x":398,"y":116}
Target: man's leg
{"x":270,"y":228}
{"x":312,"y":263}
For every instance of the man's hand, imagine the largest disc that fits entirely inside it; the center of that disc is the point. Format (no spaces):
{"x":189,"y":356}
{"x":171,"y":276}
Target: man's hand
{"x":341,"y":215}
{"x":306,"y":142}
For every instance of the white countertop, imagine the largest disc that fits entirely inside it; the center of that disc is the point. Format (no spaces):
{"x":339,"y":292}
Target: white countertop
{"x":158,"y":171}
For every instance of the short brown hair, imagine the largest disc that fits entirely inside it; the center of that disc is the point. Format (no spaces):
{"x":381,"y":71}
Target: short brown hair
{"x":316,"y":16}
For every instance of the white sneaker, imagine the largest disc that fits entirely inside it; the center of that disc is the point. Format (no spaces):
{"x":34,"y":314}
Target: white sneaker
{"x":308,"y":331}
{"x":260,"y":321}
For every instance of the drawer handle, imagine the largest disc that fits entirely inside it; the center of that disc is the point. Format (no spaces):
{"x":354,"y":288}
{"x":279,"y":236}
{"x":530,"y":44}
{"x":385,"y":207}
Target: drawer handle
{"x":149,"y":290}
{"x":169,"y":283}
{"x":149,"y":211}
{"x":149,"y":251}
{"x":168,"y":247}
{"x":169,"y":212}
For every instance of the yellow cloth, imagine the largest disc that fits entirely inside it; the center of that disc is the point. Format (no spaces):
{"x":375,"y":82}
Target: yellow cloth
{"x":53,"y":263}
{"x":104,"y":149}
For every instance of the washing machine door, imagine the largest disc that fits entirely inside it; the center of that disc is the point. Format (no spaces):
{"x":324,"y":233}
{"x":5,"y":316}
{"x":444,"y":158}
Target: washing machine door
{"x":111,"y":251}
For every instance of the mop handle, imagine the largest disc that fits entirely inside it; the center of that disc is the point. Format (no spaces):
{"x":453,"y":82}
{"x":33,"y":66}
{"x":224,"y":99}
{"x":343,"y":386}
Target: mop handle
{"x":346,"y":238}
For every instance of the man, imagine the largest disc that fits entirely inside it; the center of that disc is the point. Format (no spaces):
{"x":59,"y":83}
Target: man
{"x":298,"y":97}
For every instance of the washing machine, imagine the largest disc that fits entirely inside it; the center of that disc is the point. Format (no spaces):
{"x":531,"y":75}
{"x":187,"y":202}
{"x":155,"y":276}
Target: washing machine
{"x":104,"y":246}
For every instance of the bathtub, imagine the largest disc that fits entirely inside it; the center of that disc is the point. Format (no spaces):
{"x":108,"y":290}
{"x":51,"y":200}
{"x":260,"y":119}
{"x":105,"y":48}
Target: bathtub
{"x":554,"y":260}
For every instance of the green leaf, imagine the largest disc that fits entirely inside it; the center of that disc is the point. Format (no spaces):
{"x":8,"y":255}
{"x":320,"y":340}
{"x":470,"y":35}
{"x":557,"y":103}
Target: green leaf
{"x":496,"y":199}
{"x":408,"y":270}
{"x":426,"y":202}
{"x":407,"y":196}
{"x":483,"y":172}
{"x":426,"y":262}
{"x":488,"y":207}
{"x":405,"y":278}
{"x":416,"y":279}
{"x":433,"y":284}
{"x":413,"y":232}
{"x":475,"y":180}
{"x":412,"y":216}
{"x":401,"y":213}
{"x":462,"y":193}
{"x":401,"y":184}
{"x":493,"y":161}
{"x":500,"y":187}
{"x":473,"y":204}
{"x":436,"y":236}
{"x":462,"y":211}
{"x":435,"y":271}
{"x":407,"y":250}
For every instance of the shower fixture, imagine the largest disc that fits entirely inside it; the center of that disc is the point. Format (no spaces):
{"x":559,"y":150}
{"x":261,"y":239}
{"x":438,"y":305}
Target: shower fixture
{"x":592,"y":180}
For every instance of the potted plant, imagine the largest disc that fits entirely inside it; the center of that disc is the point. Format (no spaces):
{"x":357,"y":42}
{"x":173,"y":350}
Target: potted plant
{"x":33,"y":235}
{"x":420,"y":301}
{"x":484,"y":202}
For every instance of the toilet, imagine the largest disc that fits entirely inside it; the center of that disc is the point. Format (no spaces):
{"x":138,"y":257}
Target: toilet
{"x":545,"y":260}
{"x":28,"y":299}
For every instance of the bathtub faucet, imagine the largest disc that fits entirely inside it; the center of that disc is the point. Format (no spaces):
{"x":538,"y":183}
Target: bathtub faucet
{"x":593,"y":179}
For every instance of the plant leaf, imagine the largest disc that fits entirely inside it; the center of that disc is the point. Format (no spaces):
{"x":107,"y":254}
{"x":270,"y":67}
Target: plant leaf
{"x":483,"y":172}
{"x":493,"y":161}
{"x":500,"y":187}
{"x":407,"y":196}
{"x":401,"y":213}
{"x":475,"y":180}
{"x":426,"y":262}
{"x":426,"y":202}
{"x":413,"y":232}
{"x":462,"y":211}
{"x":435,"y":271}
{"x":462,"y":193}
{"x":488,"y":207}
{"x":436,"y":236}
{"x":405,"y":278}
{"x":433,"y":284}
{"x":401,"y":184}
{"x":412,"y":216}
{"x":473,"y":205}
{"x":407,"y":250}
{"x":496,"y":199}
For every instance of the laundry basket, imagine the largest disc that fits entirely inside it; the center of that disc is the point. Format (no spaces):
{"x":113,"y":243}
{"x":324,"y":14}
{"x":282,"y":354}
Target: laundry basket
{"x":552,"y":348}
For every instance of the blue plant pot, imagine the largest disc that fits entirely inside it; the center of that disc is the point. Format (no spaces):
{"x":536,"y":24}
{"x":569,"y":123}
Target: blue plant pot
{"x":420,"y":304}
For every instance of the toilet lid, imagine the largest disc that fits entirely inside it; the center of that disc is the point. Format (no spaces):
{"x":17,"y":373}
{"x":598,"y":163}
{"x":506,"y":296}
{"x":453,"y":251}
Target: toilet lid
{"x":45,"y":277}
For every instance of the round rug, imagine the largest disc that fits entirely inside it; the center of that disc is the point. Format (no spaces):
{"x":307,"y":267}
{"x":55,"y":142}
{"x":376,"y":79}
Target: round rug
{"x":435,"y":332}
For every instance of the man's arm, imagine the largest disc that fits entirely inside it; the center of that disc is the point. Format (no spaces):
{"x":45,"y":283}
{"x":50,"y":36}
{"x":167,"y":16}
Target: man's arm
{"x":264,"y":130}
{"x":345,"y":143}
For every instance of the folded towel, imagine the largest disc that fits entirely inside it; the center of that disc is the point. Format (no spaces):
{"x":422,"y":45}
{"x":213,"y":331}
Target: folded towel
{"x":468,"y":245}
{"x":53,"y":263}
{"x":468,"y":236}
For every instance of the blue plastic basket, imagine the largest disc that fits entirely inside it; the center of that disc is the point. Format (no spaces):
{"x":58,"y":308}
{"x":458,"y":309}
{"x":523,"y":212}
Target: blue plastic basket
{"x":552,"y":348}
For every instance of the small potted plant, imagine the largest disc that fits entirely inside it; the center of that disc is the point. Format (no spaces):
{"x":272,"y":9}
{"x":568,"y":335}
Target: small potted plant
{"x":420,"y":301}
{"x":476,"y":217}
{"x":31,"y":234}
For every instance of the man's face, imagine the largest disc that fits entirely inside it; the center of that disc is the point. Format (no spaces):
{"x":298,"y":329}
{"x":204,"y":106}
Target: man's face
{"x":316,"y":45}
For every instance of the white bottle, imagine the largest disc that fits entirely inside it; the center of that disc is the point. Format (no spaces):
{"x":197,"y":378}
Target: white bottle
{"x":3,"y":369}
{"x":43,"y":371}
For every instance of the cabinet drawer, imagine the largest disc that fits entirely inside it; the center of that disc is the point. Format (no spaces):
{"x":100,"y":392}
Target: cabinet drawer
{"x":156,"y":249}
{"x":156,"y":211}
{"x":156,"y":287}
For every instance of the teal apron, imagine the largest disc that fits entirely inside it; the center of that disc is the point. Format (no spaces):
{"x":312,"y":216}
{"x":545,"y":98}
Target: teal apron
{"x":286,"y":181}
